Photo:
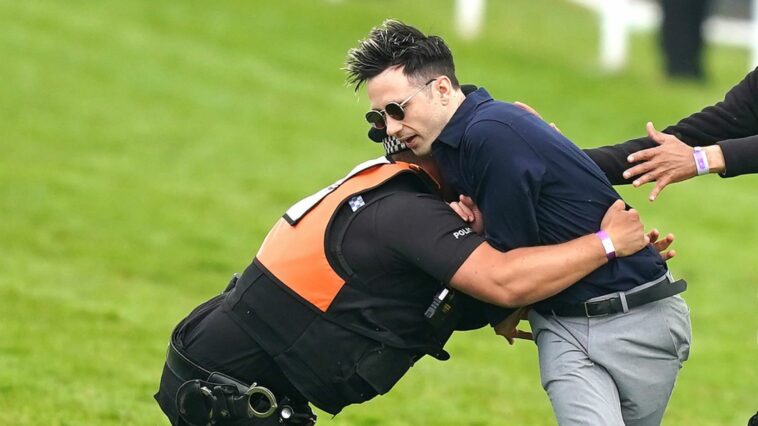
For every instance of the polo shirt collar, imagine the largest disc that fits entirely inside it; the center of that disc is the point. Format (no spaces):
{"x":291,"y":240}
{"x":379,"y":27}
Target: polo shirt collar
{"x":453,"y":132}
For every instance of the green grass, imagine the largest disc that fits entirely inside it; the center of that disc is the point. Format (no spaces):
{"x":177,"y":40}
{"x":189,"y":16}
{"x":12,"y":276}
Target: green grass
{"x":146,"y":147}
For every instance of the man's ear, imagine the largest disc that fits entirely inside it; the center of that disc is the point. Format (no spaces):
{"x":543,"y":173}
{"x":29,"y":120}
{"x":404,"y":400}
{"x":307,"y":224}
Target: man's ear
{"x":445,"y":89}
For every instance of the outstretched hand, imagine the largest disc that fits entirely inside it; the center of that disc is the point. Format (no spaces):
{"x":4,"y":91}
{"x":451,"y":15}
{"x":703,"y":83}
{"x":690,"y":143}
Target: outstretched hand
{"x":671,"y":161}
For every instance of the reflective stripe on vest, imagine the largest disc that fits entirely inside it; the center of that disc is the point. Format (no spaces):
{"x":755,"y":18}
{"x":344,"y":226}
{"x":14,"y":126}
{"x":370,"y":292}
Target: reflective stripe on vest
{"x":296,"y":253}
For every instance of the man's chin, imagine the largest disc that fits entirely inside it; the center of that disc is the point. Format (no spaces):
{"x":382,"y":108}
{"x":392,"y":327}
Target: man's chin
{"x":421,"y":151}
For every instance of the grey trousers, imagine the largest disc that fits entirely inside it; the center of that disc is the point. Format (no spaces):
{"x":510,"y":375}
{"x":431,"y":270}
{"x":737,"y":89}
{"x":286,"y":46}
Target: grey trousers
{"x":613,"y":370}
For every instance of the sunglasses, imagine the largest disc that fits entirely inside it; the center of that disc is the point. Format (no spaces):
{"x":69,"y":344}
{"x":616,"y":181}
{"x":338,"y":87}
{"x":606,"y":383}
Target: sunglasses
{"x":395,"y":110}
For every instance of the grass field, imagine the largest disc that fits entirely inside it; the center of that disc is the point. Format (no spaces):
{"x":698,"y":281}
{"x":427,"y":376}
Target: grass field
{"x":146,"y":147}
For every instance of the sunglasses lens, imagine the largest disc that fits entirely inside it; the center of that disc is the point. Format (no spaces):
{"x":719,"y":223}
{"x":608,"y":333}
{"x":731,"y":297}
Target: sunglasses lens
{"x":375,"y":119}
{"x":395,"y":111}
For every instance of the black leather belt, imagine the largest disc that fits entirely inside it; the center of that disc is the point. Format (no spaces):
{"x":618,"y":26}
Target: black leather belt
{"x":623,"y":301}
{"x":183,"y":367}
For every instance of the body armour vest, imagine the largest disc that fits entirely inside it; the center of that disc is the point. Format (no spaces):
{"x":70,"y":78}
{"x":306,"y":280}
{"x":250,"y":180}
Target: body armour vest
{"x":337,"y":342}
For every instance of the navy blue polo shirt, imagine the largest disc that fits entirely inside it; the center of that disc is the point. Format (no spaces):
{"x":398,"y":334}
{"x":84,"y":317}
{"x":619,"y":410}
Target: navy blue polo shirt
{"x":534,"y":187}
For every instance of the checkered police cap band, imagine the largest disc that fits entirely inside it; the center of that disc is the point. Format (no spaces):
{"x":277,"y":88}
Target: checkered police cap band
{"x":393,"y":145}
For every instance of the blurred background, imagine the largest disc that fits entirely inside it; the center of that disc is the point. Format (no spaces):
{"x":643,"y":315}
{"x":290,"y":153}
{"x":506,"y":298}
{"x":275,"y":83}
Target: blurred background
{"x":146,"y":148}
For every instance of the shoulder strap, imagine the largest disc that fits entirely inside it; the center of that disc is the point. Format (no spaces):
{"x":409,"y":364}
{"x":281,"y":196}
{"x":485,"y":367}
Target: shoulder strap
{"x":297,"y":211}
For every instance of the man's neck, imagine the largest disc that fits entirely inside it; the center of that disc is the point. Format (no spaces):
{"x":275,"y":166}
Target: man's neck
{"x":429,"y":164}
{"x":456,"y":99}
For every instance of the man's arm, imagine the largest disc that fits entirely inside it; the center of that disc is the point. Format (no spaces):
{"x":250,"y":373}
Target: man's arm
{"x":730,"y":126}
{"x":527,"y":275}
{"x":429,"y":235}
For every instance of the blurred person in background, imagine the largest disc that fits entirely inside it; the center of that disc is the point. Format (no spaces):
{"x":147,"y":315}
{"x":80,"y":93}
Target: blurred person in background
{"x":605,"y":344}
{"x":350,"y":288}
{"x":682,"y":37}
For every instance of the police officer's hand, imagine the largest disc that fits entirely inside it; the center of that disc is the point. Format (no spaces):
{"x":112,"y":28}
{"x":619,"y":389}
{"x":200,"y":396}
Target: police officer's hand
{"x":469,"y":212}
{"x":508,"y":327}
{"x":663,"y":244}
{"x":625,"y":229}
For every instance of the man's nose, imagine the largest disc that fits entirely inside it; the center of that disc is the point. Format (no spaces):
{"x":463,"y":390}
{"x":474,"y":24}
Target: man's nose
{"x":393,"y":126}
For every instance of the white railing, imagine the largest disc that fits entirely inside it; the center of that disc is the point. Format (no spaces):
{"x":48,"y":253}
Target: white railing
{"x":618,"y":18}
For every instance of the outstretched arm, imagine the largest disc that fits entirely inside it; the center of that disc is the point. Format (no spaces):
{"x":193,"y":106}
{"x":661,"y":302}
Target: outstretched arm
{"x":728,"y":130}
{"x":671,"y":161}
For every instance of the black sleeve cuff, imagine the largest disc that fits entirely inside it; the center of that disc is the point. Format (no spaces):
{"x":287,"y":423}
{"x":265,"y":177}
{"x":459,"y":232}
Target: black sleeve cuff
{"x":740,"y":156}
{"x":612,"y":159}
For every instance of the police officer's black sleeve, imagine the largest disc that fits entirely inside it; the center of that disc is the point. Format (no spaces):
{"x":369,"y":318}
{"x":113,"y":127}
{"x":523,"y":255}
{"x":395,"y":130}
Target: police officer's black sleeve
{"x":731,"y":123}
{"x":426,"y":233}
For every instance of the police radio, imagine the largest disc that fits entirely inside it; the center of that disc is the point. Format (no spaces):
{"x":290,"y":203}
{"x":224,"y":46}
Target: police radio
{"x":442,"y":310}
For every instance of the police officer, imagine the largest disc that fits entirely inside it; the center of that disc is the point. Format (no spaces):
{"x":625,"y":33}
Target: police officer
{"x":352,"y":286}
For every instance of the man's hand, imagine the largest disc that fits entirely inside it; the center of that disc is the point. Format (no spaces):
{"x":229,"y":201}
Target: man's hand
{"x":672,"y":161}
{"x":469,"y":212}
{"x":527,"y":108}
{"x":507,"y":327}
{"x":662,"y":245}
{"x":625,"y":229}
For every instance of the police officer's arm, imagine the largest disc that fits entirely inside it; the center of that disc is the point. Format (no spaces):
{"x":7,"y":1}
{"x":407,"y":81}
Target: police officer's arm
{"x":526,"y":275}
{"x":423,"y":233}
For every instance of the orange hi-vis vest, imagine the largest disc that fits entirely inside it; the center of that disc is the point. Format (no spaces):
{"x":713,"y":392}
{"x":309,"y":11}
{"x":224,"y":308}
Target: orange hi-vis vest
{"x":294,"y":250}
{"x":338,"y":342}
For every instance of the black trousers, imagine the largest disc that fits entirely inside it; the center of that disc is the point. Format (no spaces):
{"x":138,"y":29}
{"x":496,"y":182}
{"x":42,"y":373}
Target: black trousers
{"x":211,"y":339}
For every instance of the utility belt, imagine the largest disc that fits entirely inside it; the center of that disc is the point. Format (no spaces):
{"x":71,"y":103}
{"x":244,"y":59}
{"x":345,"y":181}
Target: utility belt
{"x":210,"y":398}
{"x":623,"y":301}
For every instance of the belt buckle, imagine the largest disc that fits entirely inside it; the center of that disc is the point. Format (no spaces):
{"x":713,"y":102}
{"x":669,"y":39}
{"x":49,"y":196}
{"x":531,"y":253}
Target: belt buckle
{"x":586,"y":312}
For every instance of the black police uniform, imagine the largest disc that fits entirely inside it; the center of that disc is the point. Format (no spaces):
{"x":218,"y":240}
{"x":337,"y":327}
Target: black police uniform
{"x":396,"y":246}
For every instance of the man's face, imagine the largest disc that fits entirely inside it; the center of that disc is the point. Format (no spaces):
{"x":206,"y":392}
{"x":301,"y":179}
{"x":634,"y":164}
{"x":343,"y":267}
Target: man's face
{"x":425,"y":116}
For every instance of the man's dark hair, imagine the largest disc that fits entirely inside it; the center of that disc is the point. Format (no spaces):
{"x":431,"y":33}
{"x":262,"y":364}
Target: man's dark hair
{"x":396,"y":44}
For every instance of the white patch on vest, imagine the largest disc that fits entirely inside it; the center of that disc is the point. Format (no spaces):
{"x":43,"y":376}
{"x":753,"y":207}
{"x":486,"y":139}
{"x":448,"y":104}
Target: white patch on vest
{"x":462,"y":232}
{"x":303,"y":206}
{"x":356,"y":202}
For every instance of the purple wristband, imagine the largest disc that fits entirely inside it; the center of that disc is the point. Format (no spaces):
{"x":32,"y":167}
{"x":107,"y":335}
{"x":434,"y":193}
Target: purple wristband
{"x":701,"y":161}
{"x":605,"y":239}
